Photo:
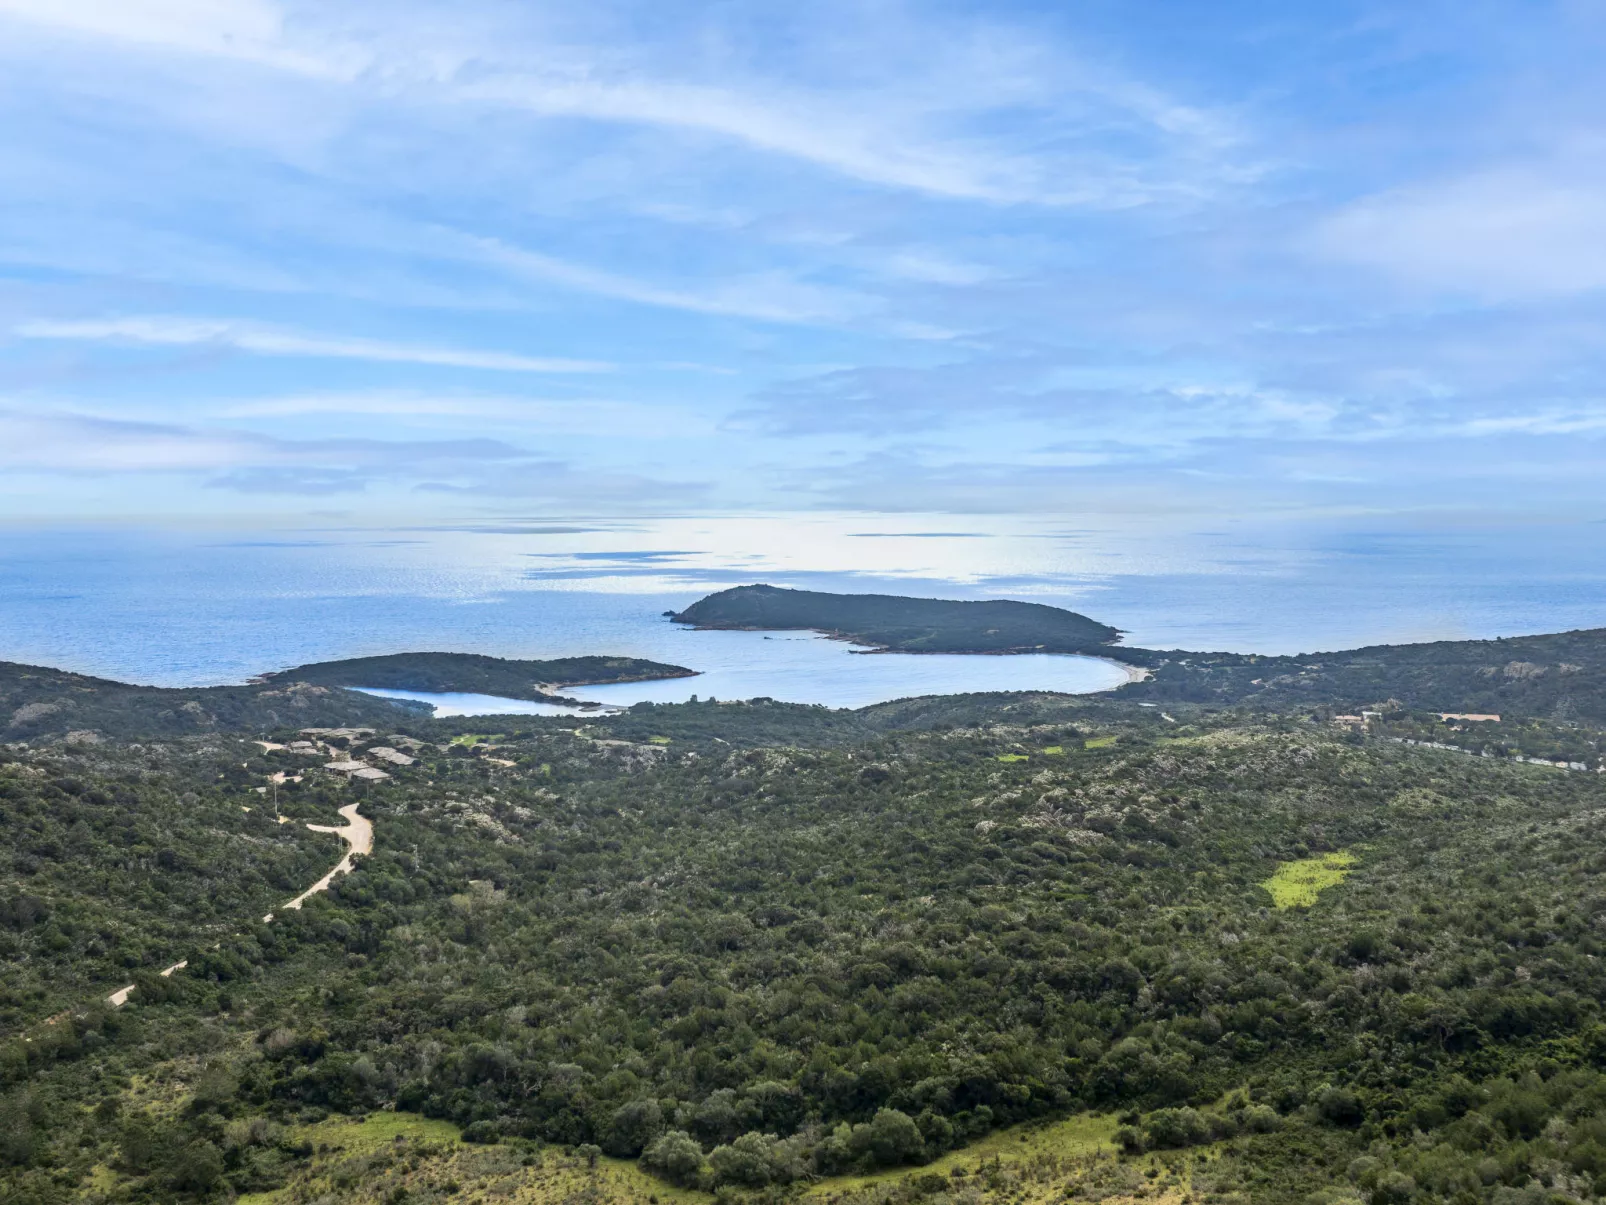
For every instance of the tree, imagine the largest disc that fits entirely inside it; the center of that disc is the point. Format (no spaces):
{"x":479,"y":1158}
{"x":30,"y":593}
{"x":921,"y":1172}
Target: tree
{"x":1393,"y":1188}
{"x":745,"y":1161}
{"x":1339,"y":1107}
{"x":675,"y":1156}
{"x":633,"y":1128}
{"x":198,"y":1168}
{"x":889,"y":1139}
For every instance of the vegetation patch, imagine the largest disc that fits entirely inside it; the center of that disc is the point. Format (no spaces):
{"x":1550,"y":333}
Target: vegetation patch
{"x":1099,"y":742}
{"x":397,"y":1156}
{"x":376,"y":1130}
{"x":1086,"y":1134}
{"x":1011,"y":757}
{"x":1298,"y":884}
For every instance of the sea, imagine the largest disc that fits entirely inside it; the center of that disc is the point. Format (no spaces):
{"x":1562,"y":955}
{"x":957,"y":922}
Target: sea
{"x":209,"y":604}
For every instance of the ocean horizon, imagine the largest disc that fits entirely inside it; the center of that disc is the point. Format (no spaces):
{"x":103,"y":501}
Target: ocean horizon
{"x":192,"y":607}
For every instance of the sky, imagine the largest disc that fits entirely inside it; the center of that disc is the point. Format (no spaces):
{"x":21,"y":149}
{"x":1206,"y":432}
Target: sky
{"x":479,"y":259}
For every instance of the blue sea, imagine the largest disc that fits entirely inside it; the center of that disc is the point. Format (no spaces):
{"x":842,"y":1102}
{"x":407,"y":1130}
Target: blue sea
{"x":197,"y":606}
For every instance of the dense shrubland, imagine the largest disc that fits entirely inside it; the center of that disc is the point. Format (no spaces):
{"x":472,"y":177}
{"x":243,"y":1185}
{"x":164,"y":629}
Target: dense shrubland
{"x":1559,"y":676}
{"x":750,"y":964}
{"x":475,"y":673}
{"x":915,"y":625}
{"x":38,"y":702}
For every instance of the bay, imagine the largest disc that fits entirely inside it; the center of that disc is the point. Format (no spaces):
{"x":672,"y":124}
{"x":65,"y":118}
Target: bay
{"x":799,"y":667}
{"x":197,"y":606}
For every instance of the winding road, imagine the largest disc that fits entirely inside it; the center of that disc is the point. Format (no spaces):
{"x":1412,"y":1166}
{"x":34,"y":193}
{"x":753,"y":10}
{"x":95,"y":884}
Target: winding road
{"x":357,"y":833}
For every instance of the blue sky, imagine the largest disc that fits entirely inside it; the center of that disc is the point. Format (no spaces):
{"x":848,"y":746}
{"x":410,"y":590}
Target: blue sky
{"x":475,"y":259}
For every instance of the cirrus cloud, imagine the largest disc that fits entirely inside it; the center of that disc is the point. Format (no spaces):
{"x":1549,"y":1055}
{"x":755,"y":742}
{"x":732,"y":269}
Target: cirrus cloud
{"x":162,"y":331}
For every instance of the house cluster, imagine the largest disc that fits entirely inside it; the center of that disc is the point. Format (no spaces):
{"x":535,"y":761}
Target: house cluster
{"x":314,"y":742}
{"x":1356,"y":721}
{"x":1532,"y":761}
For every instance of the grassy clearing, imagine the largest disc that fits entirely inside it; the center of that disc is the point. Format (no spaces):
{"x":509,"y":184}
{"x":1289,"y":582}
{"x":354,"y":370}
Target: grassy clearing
{"x":1077,"y":1137}
{"x":1055,"y":751}
{"x":102,"y":1181}
{"x":376,"y":1131}
{"x":658,"y":740}
{"x":366,"y":1162}
{"x":1014,"y":757}
{"x":470,"y":739}
{"x":1298,"y":884}
{"x":349,"y":1144}
{"x":1099,"y":742}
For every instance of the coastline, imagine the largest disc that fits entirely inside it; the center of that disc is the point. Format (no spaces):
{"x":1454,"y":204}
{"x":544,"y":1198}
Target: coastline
{"x":864,"y":649}
{"x":1134,"y":673}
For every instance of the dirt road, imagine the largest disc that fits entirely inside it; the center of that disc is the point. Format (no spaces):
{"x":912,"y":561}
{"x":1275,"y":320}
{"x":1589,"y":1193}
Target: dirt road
{"x":357,"y":833}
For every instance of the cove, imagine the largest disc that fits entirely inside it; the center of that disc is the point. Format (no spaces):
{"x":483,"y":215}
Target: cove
{"x":802,"y":667}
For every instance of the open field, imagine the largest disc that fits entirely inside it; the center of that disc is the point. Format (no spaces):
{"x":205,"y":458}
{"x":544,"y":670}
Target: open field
{"x":394,"y":1157}
{"x":1298,"y":884}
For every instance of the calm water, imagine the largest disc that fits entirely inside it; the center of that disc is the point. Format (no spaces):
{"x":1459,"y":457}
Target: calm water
{"x":796,"y":667}
{"x":199,"y":607}
{"x":455,"y":703}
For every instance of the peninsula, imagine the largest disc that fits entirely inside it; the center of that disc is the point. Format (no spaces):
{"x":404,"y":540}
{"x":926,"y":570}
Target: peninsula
{"x":891,"y":623}
{"x":1560,"y":675}
{"x":40,"y":702}
{"x":473,"y":673}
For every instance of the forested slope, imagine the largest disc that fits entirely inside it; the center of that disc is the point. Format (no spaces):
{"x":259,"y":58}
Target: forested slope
{"x":751,"y":964}
{"x":36,"y":702}
{"x":1561,"y":675}
{"x":39,"y":702}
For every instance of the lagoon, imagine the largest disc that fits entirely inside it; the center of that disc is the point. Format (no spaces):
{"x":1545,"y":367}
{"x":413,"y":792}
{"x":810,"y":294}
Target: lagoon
{"x":802,"y":667}
{"x":463,"y":703}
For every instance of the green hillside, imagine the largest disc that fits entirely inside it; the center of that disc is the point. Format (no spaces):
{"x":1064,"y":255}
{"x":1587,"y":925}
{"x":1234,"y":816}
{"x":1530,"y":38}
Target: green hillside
{"x":37,"y":702}
{"x":744,"y":950}
{"x":475,"y":674}
{"x":1561,"y":674}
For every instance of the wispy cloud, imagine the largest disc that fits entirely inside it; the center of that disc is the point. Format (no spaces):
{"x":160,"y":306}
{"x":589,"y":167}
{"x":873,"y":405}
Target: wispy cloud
{"x":1511,"y":231}
{"x":65,"y":442}
{"x":72,"y":445}
{"x":567,"y":416}
{"x":851,"y":143}
{"x":1026,"y":255}
{"x":261,"y":340}
{"x":300,"y":480}
{"x":978,"y":106}
{"x":570,"y":485}
{"x":248,"y":30}
{"x":928,"y":122}
{"x":770,"y":296}
{"x":1550,"y":421}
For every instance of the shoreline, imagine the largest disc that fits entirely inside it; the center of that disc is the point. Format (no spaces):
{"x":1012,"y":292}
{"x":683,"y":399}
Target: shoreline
{"x":1134,"y":673}
{"x":865,"y":650}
